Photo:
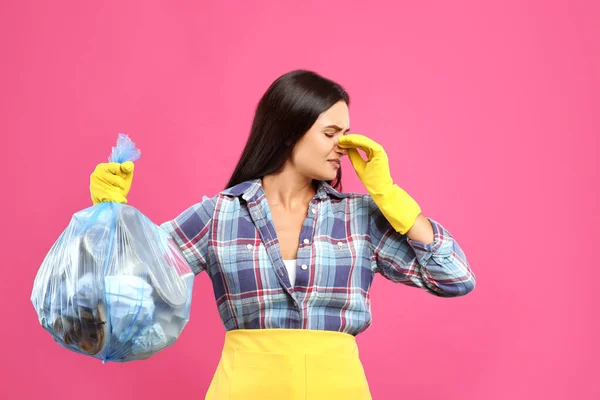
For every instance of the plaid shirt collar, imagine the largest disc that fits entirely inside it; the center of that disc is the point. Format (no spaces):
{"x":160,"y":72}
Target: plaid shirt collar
{"x":251,"y":189}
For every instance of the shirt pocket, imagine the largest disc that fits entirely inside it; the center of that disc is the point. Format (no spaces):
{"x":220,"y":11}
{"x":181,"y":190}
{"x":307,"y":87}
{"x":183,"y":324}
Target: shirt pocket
{"x":242,"y":265}
{"x":342,"y":274}
{"x":249,"y":280}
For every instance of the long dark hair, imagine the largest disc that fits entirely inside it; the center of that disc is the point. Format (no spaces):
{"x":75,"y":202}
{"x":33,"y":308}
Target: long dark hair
{"x":287,"y":110}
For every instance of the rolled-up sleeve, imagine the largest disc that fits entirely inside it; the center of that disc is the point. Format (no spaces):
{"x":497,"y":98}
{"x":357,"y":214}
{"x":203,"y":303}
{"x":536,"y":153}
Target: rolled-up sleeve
{"x":191,"y":232}
{"x":441,"y":268}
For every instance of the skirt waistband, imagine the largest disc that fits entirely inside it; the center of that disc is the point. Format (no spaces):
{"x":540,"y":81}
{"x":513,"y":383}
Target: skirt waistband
{"x":291,"y":341}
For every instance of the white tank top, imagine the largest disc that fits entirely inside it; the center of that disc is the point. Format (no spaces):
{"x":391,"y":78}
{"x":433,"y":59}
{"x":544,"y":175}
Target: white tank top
{"x":290,"y":265}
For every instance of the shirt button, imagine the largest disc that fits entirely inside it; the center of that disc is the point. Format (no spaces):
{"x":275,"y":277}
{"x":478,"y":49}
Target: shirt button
{"x":249,"y":247}
{"x":306,"y":241}
{"x":295,"y":303}
{"x":304,"y":267}
{"x":340,"y":244}
{"x":313,"y":210}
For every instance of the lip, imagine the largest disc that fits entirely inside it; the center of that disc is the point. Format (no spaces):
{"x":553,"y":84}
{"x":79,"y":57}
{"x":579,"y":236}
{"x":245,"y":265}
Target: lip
{"x":336,"y":163}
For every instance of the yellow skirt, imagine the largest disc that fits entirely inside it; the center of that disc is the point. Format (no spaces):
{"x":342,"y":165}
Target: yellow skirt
{"x":289,"y":364}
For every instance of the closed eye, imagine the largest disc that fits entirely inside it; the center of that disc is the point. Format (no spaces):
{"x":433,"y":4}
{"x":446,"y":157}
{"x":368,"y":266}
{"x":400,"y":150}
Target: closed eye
{"x":336,"y":129}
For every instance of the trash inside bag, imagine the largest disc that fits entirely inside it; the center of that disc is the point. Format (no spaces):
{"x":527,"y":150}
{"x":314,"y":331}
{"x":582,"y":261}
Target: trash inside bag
{"x":114,"y":286}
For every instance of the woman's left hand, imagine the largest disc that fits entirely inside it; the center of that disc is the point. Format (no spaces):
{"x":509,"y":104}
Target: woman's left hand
{"x":373,"y":173}
{"x":396,"y":205}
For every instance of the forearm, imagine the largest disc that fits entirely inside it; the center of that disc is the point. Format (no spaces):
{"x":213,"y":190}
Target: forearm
{"x":421,"y":231}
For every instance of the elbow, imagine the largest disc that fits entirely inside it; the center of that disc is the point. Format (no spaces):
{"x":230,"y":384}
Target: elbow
{"x":456,"y":289}
{"x":466,"y":288}
{"x":463,"y":281}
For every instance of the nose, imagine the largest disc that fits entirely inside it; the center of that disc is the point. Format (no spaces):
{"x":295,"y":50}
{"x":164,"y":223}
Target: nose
{"x":341,"y":151}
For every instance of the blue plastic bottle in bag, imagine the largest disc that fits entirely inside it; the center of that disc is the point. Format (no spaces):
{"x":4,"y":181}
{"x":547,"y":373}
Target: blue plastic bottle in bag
{"x":114,"y":286}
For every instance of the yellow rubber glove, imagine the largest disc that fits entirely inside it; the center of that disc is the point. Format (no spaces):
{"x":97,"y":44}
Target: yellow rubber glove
{"x":111,"y":182}
{"x":395,"y":204}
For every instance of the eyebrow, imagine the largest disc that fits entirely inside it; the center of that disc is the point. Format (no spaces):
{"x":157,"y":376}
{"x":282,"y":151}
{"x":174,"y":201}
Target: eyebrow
{"x":336,"y":128}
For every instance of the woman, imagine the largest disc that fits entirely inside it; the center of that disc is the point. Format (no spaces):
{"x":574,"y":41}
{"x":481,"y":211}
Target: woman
{"x":291,"y":257}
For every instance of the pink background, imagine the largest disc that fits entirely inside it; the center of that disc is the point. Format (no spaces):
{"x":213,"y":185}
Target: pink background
{"x":489,"y":114}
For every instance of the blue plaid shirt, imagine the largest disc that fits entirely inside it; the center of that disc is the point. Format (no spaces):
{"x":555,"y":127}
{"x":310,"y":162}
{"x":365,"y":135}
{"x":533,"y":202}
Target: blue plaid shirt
{"x":344,"y":241}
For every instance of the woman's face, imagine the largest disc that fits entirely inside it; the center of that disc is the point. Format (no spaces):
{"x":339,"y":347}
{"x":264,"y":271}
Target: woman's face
{"x":317,"y":155}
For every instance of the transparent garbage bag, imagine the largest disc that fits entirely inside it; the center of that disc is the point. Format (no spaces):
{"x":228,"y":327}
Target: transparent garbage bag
{"x":114,"y":286}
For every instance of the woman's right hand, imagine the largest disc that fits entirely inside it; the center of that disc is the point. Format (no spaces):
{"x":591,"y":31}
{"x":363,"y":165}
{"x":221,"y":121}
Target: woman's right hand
{"x":110,"y":182}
